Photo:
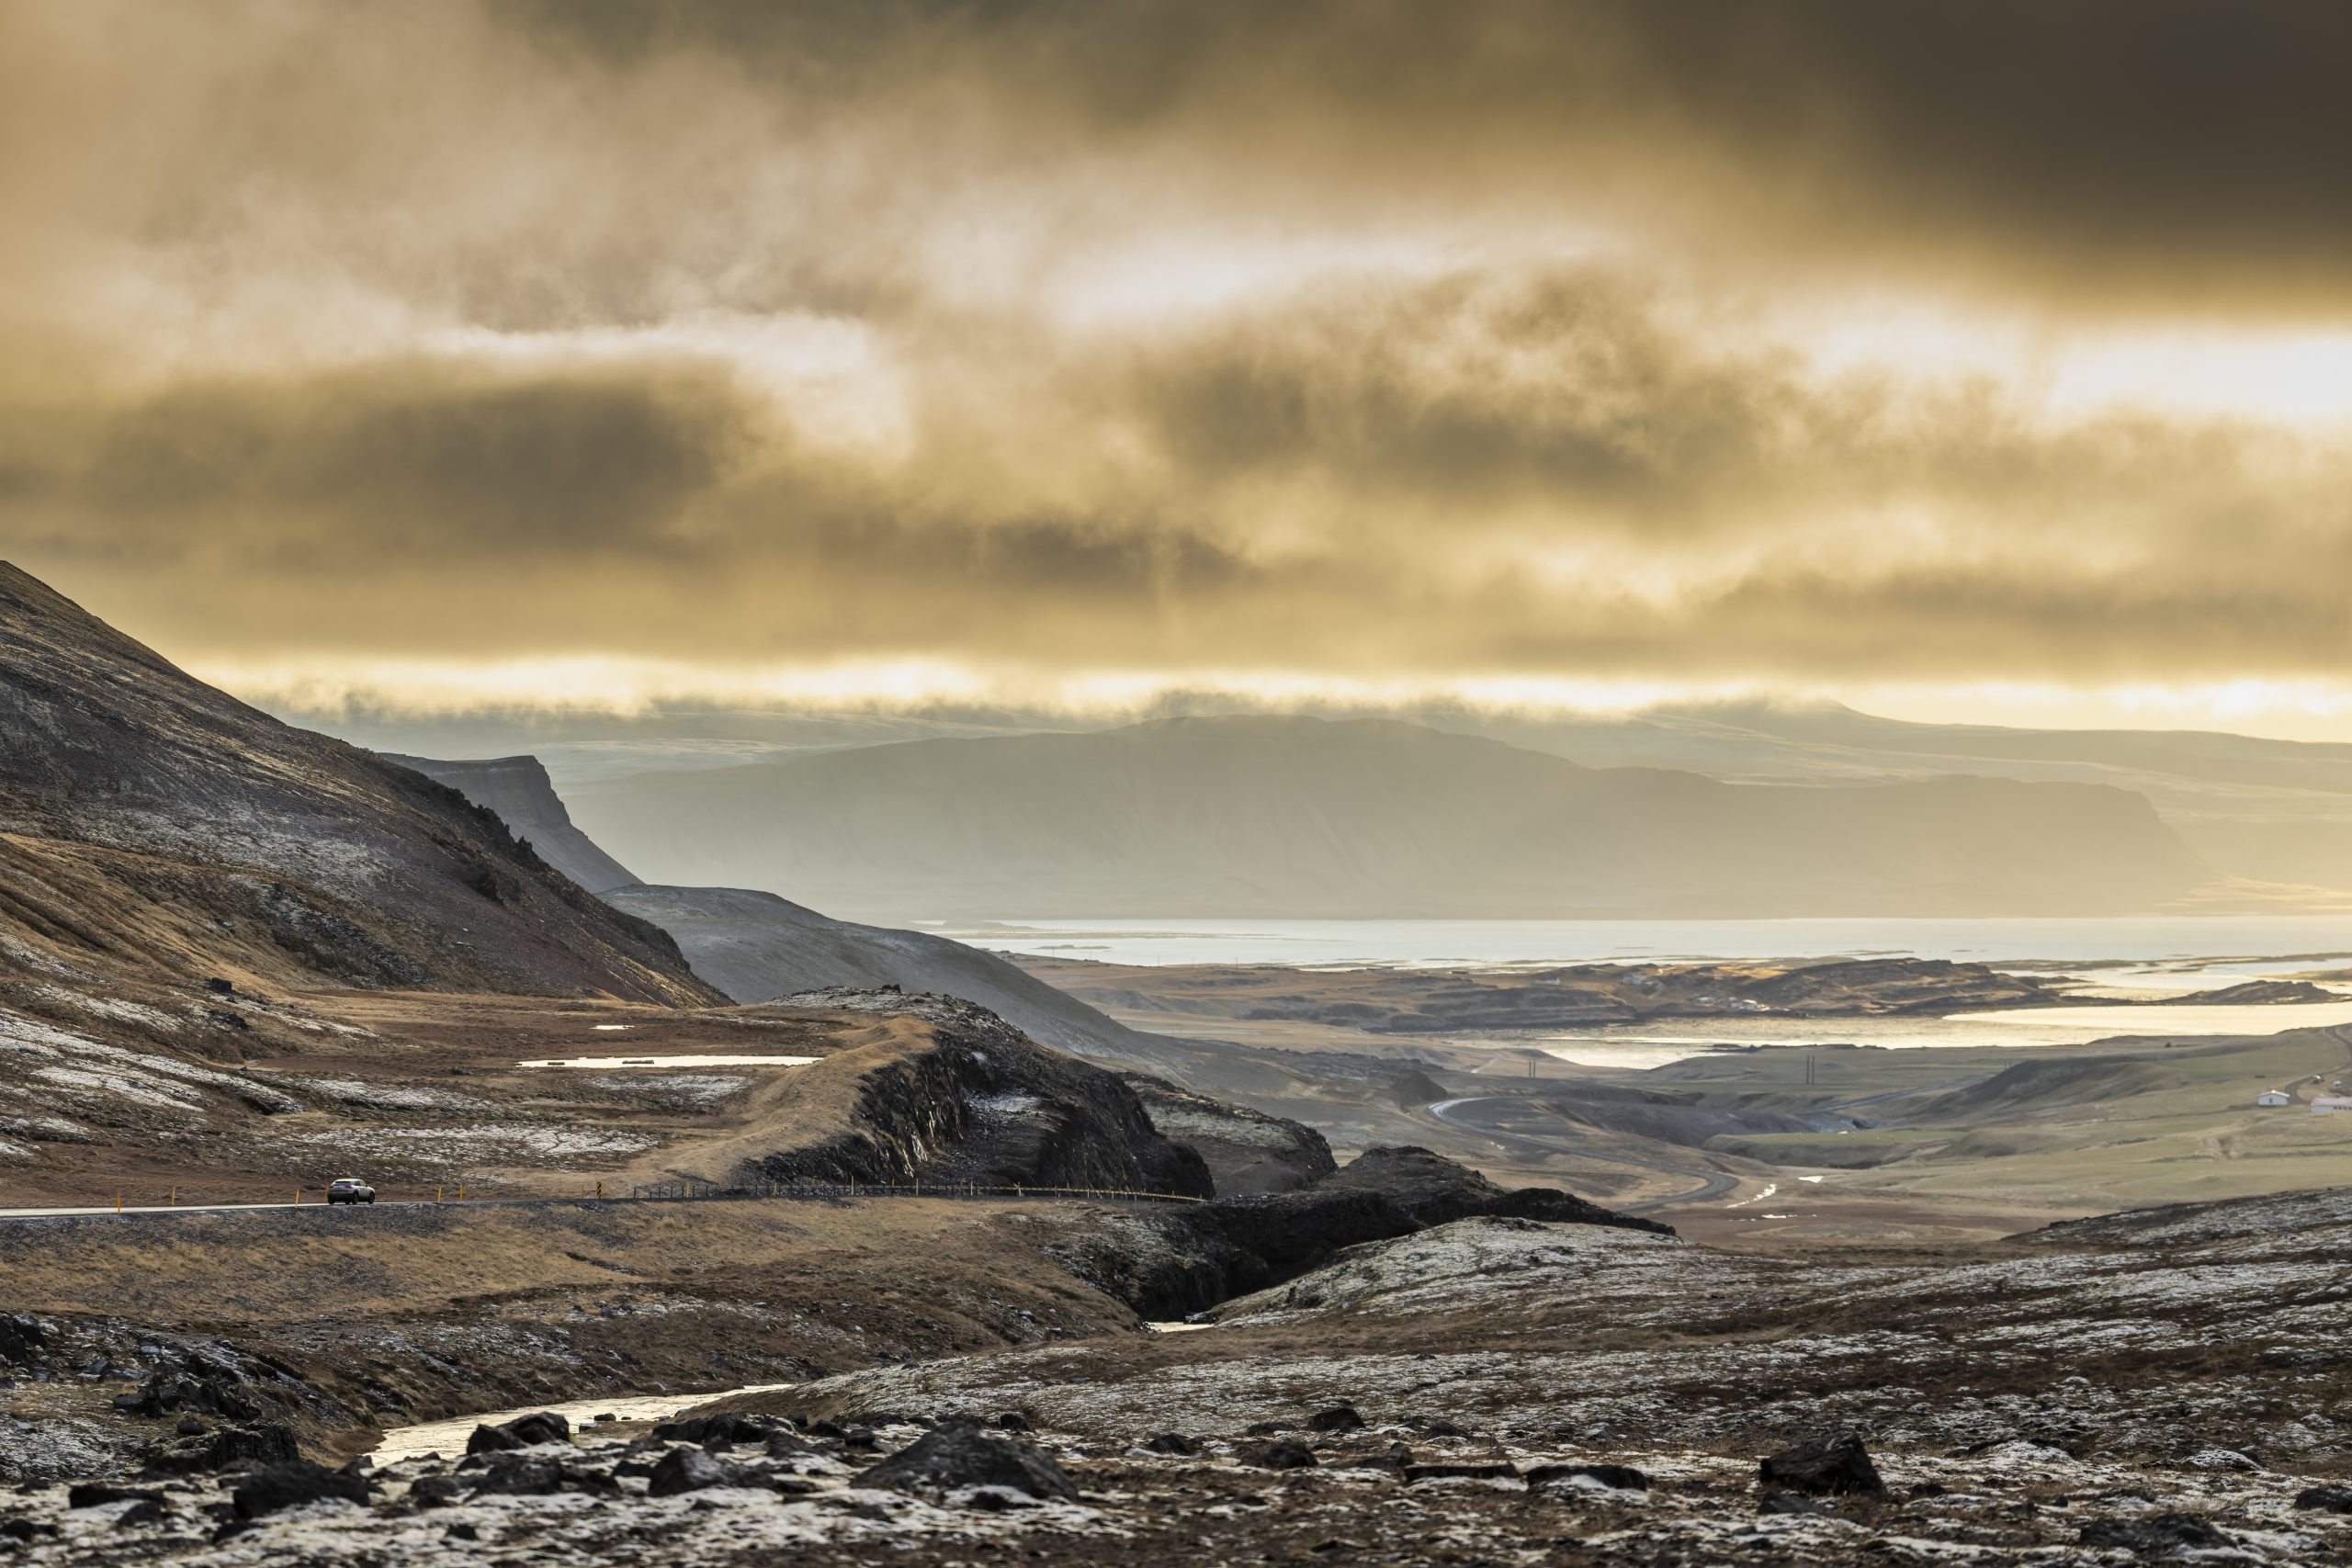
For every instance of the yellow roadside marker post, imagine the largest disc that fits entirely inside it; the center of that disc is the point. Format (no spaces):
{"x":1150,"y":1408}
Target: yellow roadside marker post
{"x":118,"y":1203}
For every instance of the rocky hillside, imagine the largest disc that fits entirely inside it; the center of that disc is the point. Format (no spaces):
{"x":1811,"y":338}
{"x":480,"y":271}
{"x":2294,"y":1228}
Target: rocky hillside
{"x":517,"y":788}
{"x":1267,"y":817}
{"x":155,"y":830}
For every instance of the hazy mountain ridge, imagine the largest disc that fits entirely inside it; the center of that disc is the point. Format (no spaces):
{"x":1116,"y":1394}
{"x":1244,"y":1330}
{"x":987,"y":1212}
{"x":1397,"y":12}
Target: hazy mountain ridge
{"x":1269,"y":815}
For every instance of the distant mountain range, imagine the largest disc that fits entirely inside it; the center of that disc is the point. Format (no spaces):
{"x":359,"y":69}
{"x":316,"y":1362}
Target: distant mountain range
{"x":1257,"y":816}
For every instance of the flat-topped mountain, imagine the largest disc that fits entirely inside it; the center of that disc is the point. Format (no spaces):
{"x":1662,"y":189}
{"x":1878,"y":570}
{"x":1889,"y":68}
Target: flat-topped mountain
{"x":1268,"y":816}
{"x":152,"y":825}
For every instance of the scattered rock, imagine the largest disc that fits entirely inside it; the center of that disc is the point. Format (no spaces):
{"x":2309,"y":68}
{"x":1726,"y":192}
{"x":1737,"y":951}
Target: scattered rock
{"x":958,"y":1453}
{"x":292,"y":1485}
{"x":1786,"y":1503}
{"x":435,"y":1491}
{"x":1835,"y":1463}
{"x":2327,"y":1499}
{"x":1284,"y":1454}
{"x":2156,"y":1536}
{"x":1172,"y":1443}
{"x":97,"y":1495}
{"x":1339,"y":1418}
{"x":523,"y":1432}
{"x":691,"y":1469}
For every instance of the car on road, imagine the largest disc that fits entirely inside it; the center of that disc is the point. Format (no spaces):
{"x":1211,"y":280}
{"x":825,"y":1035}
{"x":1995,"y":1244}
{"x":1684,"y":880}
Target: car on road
{"x":349,"y":1189}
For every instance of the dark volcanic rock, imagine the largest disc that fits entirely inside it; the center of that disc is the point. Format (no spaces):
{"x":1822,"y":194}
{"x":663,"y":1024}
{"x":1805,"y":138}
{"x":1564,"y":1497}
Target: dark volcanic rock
{"x":1831,"y":1463}
{"x":691,"y":1469}
{"x":292,"y":1485}
{"x":2160,"y":1535}
{"x":435,"y":1491}
{"x":1786,"y":1503}
{"x":958,"y":1453}
{"x":2327,"y":1499}
{"x":523,"y":1432}
{"x":1339,"y":1418}
{"x":1172,"y":1443}
{"x":1284,"y":1454}
{"x":1432,"y":1189}
{"x":98,"y":1493}
{"x":722,"y":1430}
{"x":21,"y":1339}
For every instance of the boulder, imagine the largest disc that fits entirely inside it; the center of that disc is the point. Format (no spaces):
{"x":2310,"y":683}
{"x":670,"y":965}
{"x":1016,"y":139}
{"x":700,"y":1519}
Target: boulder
{"x":1339,"y":1418}
{"x":2157,"y":1535}
{"x":1786,"y":1503}
{"x":1284,"y":1454}
{"x":1836,"y":1463}
{"x":720,"y":1431}
{"x":1172,"y":1443}
{"x":693,"y":1470}
{"x":2327,"y":1499}
{"x":523,"y":1432}
{"x":958,"y":1453}
{"x":435,"y":1491}
{"x":21,"y":1338}
{"x":292,"y":1485}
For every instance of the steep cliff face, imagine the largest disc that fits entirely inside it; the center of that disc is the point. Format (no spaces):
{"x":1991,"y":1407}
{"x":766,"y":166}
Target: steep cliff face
{"x":157,"y":828}
{"x":979,"y":1101}
{"x":519,"y":790}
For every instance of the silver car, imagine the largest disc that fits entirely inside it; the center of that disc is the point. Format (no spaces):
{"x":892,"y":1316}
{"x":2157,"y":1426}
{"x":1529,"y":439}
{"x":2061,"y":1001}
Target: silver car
{"x":349,"y":1189}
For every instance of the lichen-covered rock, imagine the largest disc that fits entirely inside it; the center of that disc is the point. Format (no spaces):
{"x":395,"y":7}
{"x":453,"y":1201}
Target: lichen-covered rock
{"x":960,"y":1453}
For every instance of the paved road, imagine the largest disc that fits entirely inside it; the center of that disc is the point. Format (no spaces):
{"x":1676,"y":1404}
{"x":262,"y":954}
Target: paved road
{"x":1712,"y":1183}
{"x":212,"y":1208}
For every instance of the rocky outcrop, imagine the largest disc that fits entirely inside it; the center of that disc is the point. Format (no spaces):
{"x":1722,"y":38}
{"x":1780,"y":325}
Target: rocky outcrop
{"x":1248,"y":1151}
{"x":1431,"y":1190}
{"x":982,"y":1103}
{"x":1182,"y":1262}
{"x":958,"y":1454}
{"x":519,"y":790}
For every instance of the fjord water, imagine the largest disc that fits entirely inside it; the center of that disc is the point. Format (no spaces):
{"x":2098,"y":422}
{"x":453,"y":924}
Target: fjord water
{"x":2231,"y":943}
{"x":2121,"y":960}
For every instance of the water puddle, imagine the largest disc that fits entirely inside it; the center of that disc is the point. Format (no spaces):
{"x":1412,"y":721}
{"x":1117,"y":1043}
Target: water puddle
{"x":643,"y":1061}
{"x":449,"y":1438}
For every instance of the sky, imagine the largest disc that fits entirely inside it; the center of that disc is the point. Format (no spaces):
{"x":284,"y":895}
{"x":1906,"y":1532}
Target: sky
{"x":1986,"y":362}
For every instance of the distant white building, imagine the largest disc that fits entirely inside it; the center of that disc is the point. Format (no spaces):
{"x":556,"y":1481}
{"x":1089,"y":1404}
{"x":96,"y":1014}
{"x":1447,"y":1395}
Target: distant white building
{"x":2327,"y":1104}
{"x":2274,"y":1097}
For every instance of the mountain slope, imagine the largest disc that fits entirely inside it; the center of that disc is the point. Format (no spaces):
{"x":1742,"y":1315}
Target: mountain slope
{"x":154,"y":828}
{"x":1267,"y":817}
{"x":519,"y":789}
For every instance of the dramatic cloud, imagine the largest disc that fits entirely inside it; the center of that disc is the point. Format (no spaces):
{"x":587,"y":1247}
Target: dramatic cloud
{"x":1148,"y":343}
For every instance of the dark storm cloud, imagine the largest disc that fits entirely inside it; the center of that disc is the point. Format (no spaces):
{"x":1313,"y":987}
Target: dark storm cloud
{"x":351,"y":466}
{"x":2140,"y":145}
{"x":1377,"y":338}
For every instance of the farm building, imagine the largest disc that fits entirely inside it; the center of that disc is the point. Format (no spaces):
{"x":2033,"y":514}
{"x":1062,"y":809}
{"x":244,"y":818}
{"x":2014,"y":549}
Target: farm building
{"x":2274,"y":1097}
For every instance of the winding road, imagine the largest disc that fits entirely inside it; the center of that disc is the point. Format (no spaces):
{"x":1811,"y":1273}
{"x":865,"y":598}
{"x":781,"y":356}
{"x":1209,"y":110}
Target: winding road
{"x":1712,"y":1183}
